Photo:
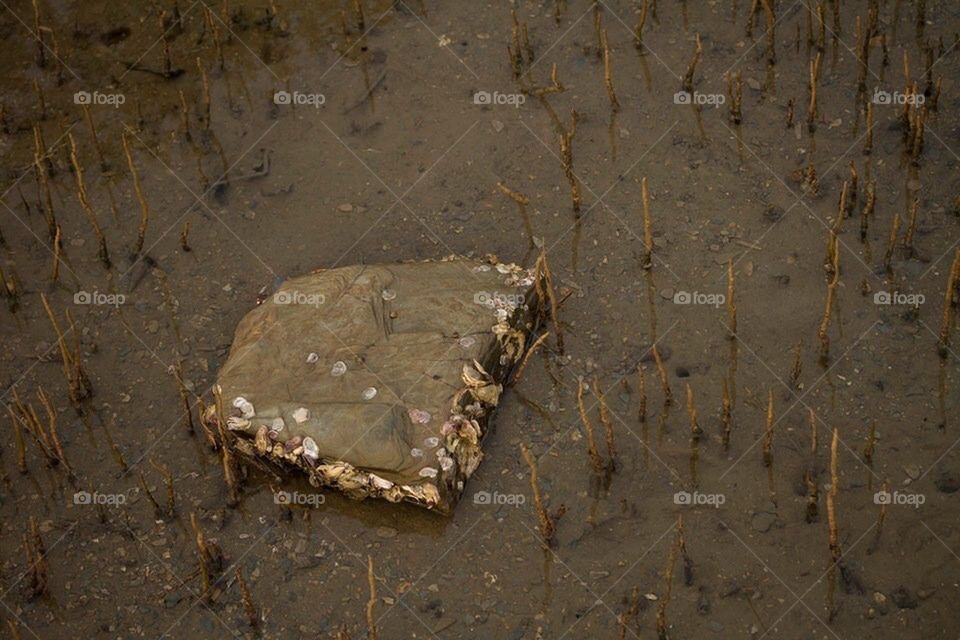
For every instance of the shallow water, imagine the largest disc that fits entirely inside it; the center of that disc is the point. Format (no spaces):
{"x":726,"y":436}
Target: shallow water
{"x":399,"y":162}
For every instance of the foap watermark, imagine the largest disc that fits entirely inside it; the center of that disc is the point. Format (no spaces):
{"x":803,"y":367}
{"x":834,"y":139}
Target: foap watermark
{"x":99,"y":298}
{"x":696,"y":297}
{"x":107,"y":499}
{"x":897,"y":98}
{"x":496,"y":498}
{"x":96,"y":98}
{"x":899,"y":498}
{"x":498,"y":299}
{"x":297,"y":98}
{"x":898,"y":298}
{"x":496,"y":98}
{"x":697,"y":499}
{"x":700,"y":99}
{"x":299,"y":297}
{"x":299,"y":499}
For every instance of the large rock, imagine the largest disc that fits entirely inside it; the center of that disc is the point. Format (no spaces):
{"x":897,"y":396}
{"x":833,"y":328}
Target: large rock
{"x":379,"y":380}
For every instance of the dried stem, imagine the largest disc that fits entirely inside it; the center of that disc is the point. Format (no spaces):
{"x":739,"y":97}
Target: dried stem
{"x":547,"y":525}
{"x":607,"y":423}
{"x":647,"y":225}
{"x":566,"y":160}
{"x":869,"y":204}
{"x":103,"y":253}
{"x":522,"y":202}
{"x":595,"y":459}
{"x":144,"y":208}
{"x":731,"y":301}
{"x":372,"y":583}
{"x":253,"y":613}
{"x":947,"y":322}
{"x":891,"y":241}
{"x":608,"y":73}
{"x":545,"y":286}
{"x":768,"y":432}
{"x":725,"y":415}
{"x":664,"y":380}
{"x":529,"y":353}
{"x":692,"y":67}
{"x":812,"y":108}
{"x":184,"y":233}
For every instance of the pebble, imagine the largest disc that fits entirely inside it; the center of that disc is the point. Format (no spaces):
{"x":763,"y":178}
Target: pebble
{"x":667,"y":294}
{"x":497,"y":126}
{"x":444,"y":623}
{"x":762,"y":521}
{"x":904,"y":598}
{"x":346,"y":207}
{"x":912,"y":470}
{"x":947,"y":482}
{"x":386,"y":532}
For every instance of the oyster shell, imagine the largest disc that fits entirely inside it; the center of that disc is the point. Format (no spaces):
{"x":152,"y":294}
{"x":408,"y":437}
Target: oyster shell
{"x":310,"y":449}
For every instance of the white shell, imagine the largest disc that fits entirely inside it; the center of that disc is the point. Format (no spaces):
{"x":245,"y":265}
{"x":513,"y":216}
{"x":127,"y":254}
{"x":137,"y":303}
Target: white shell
{"x":432,"y":442}
{"x":388,"y":294}
{"x":312,"y":357}
{"x":380,"y":483}
{"x":502,"y":268}
{"x":446,"y":463}
{"x":467,"y":341}
{"x":237,"y":424}
{"x":339,"y":368}
{"x":419,"y":416}
{"x":310,"y":448}
{"x":277,"y":425}
{"x":301,"y":415}
{"x":416,"y":453}
{"x":246,"y":408}
{"x":369,"y":393}
{"x":428,"y":472}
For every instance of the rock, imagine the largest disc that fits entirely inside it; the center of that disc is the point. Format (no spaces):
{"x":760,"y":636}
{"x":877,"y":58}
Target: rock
{"x":773,"y":213}
{"x":912,"y":470}
{"x":762,"y":521}
{"x":904,"y":598}
{"x":346,"y":207}
{"x":667,"y":294}
{"x":754,"y":84}
{"x":947,"y":482}
{"x":172,"y":599}
{"x":444,"y":623}
{"x":782,"y":280}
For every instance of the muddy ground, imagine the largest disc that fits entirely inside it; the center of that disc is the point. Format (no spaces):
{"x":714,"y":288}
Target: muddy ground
{"x":401,"y":161}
